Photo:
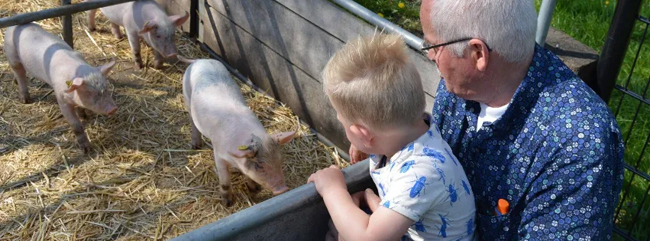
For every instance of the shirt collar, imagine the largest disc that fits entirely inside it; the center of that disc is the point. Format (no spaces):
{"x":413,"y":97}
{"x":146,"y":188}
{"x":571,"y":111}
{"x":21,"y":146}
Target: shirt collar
{"x":528,"y":91}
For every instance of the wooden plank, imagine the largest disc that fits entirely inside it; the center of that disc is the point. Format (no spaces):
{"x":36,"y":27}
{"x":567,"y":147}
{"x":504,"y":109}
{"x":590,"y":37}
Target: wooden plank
{"x":300,"y":42}
{"x":177,"y":7}
{"x":268,"y":70}
{"x":330,"y":18}
{"x":307,"y":36}
{"x":289,"y":69}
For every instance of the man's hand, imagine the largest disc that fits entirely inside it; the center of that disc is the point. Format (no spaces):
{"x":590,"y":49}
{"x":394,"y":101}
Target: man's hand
{"x":328,"y":179}
{"x":356,"y":155}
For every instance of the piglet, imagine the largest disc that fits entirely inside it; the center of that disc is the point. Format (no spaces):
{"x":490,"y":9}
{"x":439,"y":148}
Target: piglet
{"x":218,"y":111}
{"x":146,"y":19}
{"x":31,"y":49}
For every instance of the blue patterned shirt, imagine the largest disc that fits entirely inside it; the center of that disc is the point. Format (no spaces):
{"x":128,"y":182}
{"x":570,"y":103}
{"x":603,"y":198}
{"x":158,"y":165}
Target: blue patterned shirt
{"x":555,"y":155}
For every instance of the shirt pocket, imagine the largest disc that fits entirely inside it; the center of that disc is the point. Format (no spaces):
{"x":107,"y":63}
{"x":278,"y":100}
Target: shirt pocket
{"x":494,"y":227}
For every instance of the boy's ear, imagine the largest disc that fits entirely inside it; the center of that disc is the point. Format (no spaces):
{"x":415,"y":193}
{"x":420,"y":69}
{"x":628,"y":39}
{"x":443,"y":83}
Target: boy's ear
{"x":364,"y":134}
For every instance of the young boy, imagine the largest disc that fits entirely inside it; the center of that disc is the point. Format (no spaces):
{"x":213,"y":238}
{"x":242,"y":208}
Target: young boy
{"x":423,"y":191}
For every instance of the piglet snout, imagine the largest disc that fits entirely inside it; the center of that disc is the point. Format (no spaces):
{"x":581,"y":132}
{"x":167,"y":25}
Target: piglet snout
{"x":279,"y":190}
{"x":111,"y":110}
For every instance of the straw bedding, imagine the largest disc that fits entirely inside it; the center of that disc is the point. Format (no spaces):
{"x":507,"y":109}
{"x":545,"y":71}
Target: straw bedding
{"x":141,"y":180}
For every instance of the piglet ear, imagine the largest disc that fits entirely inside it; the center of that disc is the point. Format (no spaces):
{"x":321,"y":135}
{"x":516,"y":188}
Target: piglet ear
{"x":243,"y":152}
{"x":178,"y":20}
{"x":148,"y":26}
{"x":283,"y":137}
{"x":74,"y":84}
{"x":106,"y":68}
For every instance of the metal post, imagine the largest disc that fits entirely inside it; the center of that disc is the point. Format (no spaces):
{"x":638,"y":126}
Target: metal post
{"x":194,"y":18}
{"x":66,"y":20}
{"x":370,"y":16}
{"x":56,"y":12}
{"x":616,"y":42}
{"x":544,"y":20}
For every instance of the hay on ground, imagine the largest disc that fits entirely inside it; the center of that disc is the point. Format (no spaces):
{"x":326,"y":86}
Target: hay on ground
{"x":142,"y":181}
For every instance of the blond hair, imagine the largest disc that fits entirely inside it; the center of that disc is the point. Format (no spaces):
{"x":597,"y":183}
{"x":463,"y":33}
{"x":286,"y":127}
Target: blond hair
{"x":371,"y":80}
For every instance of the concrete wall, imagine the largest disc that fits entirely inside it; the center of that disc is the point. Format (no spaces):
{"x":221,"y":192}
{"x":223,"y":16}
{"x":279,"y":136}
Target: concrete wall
{"x":283,"y":45}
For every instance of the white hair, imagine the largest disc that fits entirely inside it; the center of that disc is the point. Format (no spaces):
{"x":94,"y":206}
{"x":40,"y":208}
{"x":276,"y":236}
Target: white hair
{"x":506,"y":26}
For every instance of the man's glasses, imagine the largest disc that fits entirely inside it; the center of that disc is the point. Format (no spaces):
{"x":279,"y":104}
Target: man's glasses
{"x":426,"y":46}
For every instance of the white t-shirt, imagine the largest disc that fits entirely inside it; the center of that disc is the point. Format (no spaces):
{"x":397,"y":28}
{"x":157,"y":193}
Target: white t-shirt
{"x":490,"y":114}
{"x":425,"y":183}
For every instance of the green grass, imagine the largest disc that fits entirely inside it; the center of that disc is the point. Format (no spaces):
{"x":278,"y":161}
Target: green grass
{"x":588,"y":21}
{"x":407,"y":16}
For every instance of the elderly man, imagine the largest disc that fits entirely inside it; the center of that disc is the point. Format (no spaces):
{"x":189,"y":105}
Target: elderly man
{"x":525,"y":128}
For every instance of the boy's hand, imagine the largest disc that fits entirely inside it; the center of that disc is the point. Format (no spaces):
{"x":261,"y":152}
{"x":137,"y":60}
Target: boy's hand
{"x":328,"y":179}
{"x":356,"y":155}
{"x":358,"y":198}
{"x":371,"y":199}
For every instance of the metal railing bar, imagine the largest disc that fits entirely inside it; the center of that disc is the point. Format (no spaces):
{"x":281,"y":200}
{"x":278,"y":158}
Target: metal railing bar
{"x":644,"y":19}
{"x":622,"y":234}
{"x":636,"y":57}
{"x":638,"y":211}
{"x":633,"y":94}
{"x":66,"y":21}
{"x":635,"y":172}
{"x":627,"y":189}
{"x":57,"y":12}
{"x":629,"y":77}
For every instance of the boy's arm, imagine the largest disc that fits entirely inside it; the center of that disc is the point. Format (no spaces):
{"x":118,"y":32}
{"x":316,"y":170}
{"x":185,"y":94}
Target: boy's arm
{"x":351,"y":222}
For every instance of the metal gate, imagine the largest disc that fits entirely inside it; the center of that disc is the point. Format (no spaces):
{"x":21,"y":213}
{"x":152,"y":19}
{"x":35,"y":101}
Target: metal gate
{"x":626,"y":94}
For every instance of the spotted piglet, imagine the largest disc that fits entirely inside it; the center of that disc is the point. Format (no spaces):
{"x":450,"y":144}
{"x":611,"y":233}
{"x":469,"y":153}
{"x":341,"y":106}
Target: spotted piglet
{"x":31,"y":49}
{"x":146,"y":19}
{"x":218,"y":111}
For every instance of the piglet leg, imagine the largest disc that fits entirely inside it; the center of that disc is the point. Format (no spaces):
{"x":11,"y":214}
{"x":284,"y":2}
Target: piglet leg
{"x":196,"y":136}
{"x":224,"y":180}
{"x":115,"y":29}
{"x":20,"y":75}
{"x":78,"y":129}
{"x":91,"y":19}
{"x":134,"y":41}
{"x":81,"y":113}
{"x":158,"y":60}
{"x":252,"y":185}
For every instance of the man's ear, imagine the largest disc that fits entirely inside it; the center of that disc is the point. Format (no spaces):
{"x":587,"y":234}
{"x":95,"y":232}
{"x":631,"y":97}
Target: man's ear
{"x":364,"y":134}
{"x":480,"y":53}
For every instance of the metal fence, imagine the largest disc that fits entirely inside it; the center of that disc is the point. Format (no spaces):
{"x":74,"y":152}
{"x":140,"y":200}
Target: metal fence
{"x":627,"y":98}
{"x":628,"y":101}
